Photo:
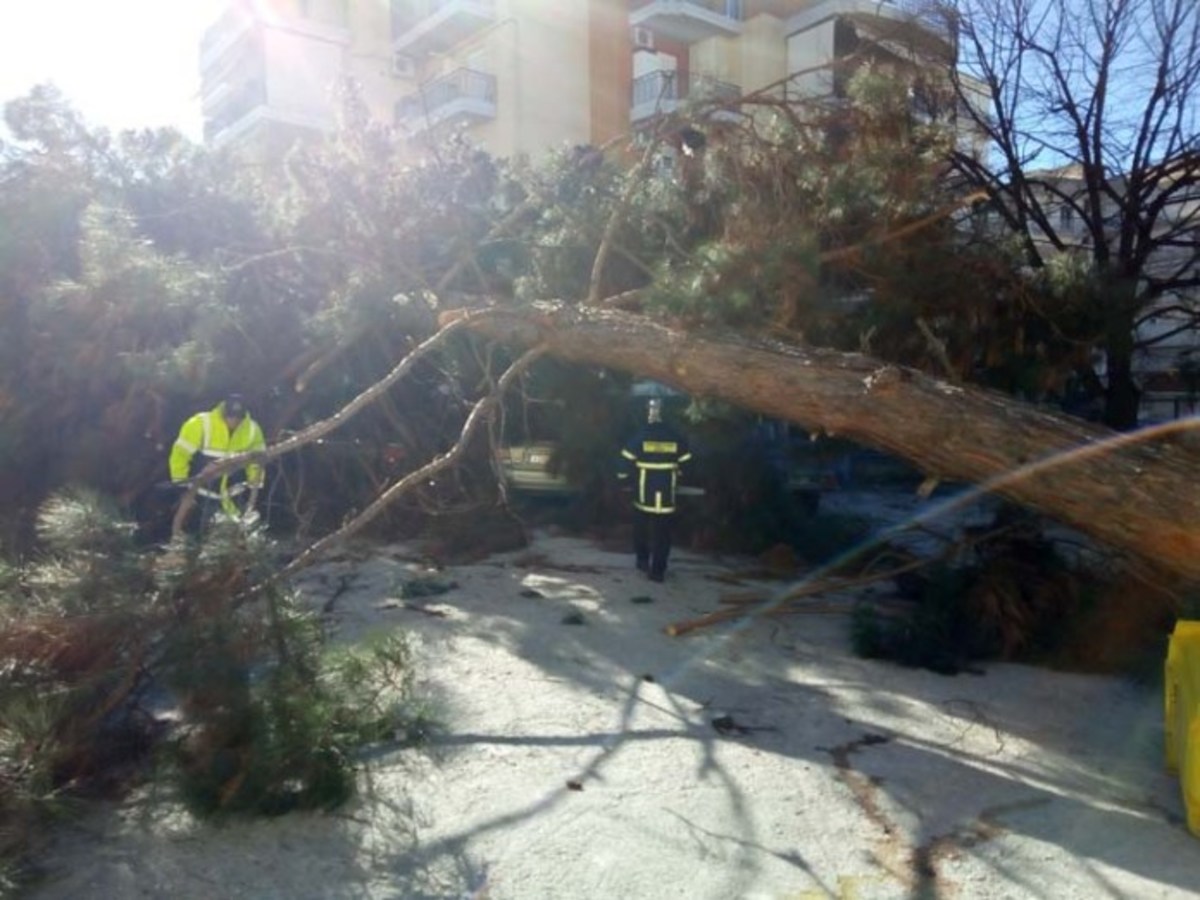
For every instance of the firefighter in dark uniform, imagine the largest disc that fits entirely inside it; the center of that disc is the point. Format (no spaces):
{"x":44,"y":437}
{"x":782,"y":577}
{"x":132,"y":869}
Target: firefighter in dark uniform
{"x":650,"y":467}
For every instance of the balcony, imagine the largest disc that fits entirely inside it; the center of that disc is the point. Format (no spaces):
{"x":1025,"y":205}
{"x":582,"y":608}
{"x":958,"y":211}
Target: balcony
{"x":688,"y":21}
{"x":908,"y":25}
{"x":240,"y":19}
{"x":661,"y":93}
{"x":464,"y":96}
{"x":232,"y":25}
{"x":434,"y":26}
{"x":234,"y":106}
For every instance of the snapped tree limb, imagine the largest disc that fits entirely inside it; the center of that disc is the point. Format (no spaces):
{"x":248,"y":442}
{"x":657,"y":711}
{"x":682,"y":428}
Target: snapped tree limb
{"x":479,"y":414}
{"x":317,"y":429}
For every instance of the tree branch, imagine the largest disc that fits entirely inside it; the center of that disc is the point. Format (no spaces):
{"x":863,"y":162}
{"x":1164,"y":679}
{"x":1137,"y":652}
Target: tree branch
{"x":332,"y":423}
{"x":481,"y":410}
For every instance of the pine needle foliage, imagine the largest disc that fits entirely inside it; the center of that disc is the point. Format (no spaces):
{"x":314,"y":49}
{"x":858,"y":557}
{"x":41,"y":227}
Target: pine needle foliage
{"x":74,"y":633}
{"x":148,"y":277}
{"x":109,"y":654}
{"x":1013,"y":597}
{"x":273,"y":718}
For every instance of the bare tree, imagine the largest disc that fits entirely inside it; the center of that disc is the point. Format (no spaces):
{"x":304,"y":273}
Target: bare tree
{"x":1092,"y":117}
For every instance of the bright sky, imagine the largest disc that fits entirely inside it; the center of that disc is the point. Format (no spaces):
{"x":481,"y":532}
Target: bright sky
{"x":121,"y":63}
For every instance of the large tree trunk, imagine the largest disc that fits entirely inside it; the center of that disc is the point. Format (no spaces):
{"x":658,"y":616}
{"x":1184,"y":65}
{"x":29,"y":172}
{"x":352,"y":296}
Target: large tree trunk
{"x":1137,"y":496}
{"x":1122,"y":398}
{"x":1121,"y":395}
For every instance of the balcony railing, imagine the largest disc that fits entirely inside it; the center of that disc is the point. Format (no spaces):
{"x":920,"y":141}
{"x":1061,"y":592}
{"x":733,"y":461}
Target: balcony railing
{"x":434,"y":26}
{"x":239,"y":104}
{"x":688,"y":21}
{"x":229,"y":27}
{"x":463,"y":95}
{"x":662,"y":92}
{"x":930,"y":15}
{"x":913,"y":20}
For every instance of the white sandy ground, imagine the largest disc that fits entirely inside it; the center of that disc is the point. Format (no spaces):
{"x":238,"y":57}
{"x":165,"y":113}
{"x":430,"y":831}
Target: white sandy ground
{"x":873,"y":781}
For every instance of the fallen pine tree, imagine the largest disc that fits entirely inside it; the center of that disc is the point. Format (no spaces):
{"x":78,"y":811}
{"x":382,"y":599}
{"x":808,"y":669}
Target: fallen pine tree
{"x":1135,"y":491}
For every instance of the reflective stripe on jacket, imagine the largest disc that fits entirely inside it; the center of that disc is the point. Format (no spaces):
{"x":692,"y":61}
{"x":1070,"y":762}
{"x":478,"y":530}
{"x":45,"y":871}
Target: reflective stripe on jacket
{"x":654,"y":459}
{"x":205,"y":438}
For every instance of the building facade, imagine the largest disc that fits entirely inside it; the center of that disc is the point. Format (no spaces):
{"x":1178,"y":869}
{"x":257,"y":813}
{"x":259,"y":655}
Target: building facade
{"x":521,"y":76}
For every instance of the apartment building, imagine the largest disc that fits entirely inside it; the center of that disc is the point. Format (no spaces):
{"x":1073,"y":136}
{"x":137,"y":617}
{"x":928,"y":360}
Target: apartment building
{"x":521,"y":76}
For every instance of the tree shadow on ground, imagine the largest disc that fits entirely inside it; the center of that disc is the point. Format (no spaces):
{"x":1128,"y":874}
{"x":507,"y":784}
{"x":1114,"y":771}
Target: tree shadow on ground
{"x":830,"y":771}
{"x":1057,"y":786}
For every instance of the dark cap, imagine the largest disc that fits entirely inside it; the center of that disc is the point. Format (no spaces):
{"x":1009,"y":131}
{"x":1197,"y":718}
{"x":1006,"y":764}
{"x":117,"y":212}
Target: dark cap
{"x":234,"y":407}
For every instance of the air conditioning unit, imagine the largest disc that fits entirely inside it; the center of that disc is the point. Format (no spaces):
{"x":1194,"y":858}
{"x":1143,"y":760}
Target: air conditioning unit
{"x":643,"y":38}
{"x":403,"y":66}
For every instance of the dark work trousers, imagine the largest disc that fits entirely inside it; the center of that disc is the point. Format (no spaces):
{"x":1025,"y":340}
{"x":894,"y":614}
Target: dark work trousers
{"x":209,"y":508}
{"x":200,"y":521}
{"x":652,"y":542}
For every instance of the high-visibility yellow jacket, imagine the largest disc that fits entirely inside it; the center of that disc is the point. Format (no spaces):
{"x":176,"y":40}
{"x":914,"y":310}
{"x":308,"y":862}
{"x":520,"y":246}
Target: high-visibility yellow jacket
{"x":205,"y":438}
{"x":652,"y":461}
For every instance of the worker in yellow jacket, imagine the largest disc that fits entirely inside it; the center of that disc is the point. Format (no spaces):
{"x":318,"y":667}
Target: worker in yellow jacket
{"x":223,"y":431}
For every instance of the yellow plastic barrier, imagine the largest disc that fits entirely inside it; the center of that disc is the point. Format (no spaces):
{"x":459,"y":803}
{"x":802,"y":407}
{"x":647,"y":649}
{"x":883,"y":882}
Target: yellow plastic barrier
{"x":1182,"y":715}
